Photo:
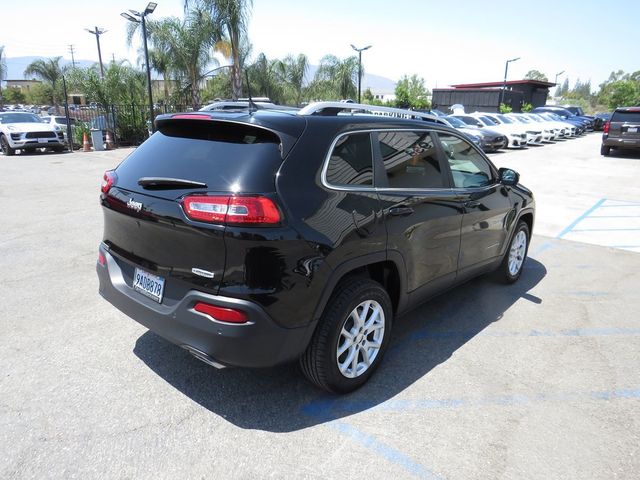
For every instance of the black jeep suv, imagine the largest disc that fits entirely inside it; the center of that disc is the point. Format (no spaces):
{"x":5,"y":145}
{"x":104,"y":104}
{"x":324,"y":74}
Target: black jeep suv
{"x":253,"y":238}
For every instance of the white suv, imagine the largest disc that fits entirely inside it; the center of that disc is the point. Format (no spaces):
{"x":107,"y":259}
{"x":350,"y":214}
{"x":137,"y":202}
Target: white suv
{"x":26,"y":131}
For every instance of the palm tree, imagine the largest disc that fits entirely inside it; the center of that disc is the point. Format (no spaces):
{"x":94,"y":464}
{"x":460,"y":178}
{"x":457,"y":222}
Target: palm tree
{"x":3,"y":71}
{"x":233,"y":18}
{"x":336,"y":78}
{"x":188,"y":43}
{"x":295,"y":69}
{"x":267,"y":78}
{"x":49,"y":71}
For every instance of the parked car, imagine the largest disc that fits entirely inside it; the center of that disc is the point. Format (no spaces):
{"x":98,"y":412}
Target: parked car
{"x":600,"y":118}
{"x":517,"y":139}
{"x":622,"y":131}
{"x":61,"y":122}
{"x":575,"y":129}
{"x":538,"y":133}
{"x":582,"y":124}
{"x":489,"y":140}
{"x":560,"y":129}
{"x":26,"y":132}
{"x":255,"y":238}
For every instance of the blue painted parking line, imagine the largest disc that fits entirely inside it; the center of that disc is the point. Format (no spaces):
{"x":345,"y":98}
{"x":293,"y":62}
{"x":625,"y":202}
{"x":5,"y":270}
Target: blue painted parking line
{"x":588,"y":212}
{"x":349,"y":407}
{"x":605,"y":229}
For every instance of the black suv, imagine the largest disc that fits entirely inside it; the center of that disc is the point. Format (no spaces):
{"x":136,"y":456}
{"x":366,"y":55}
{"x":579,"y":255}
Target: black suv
{"x":253,"y":238}
{"x":622,"y":130}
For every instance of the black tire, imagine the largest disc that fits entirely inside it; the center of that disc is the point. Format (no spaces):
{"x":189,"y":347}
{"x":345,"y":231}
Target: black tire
{"x":59,"y":149}
{"x":6,"y":149}
{"x":604,"y":150}
{"x":30,"y":151}
{"x":320,"y":362}
{"x":506,"y":272}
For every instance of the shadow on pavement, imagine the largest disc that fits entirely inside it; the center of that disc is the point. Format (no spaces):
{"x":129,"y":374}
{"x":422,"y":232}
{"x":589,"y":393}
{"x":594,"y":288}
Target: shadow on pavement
{"x":280,"y":400}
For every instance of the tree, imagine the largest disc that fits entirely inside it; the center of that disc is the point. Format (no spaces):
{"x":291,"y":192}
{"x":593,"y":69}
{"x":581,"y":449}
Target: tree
{"x":335,"y":78}
{"x":49,"y":71}
{"x":3,"y":71}
{"x":412,"y":93}
{"x":122,"y":84}
{"x":14,"y":95}
{"x":621,"y":89}
{"x":536,"y":75}
{"x":295,"y":70}
{"x":266,"y":78}
{"x":232,"y":17}
{"x":39,"y":94}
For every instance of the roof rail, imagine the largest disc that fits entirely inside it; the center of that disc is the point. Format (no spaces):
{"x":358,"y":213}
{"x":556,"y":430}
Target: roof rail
{"x":334,"y":108}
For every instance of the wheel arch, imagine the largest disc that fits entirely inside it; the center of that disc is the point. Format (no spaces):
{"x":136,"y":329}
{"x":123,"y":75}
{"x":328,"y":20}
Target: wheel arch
{"x":386,"y":268}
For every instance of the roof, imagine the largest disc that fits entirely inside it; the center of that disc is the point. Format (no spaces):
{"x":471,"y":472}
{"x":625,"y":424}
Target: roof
{"x":536,"y":83}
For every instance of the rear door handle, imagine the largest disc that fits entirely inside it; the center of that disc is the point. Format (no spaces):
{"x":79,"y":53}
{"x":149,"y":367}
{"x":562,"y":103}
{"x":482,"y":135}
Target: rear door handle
{"x":400,"y":211}
{"x":472,"y":204}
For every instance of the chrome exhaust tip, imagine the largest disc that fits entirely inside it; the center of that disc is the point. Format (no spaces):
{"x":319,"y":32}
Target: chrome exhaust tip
{"x":203,"y":357}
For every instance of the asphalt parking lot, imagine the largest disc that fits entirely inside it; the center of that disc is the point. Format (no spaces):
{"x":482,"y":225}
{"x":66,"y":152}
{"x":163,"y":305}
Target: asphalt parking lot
{"x":540,"y":379}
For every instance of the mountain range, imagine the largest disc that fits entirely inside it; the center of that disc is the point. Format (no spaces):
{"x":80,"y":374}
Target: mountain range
{"x":17,"y":65}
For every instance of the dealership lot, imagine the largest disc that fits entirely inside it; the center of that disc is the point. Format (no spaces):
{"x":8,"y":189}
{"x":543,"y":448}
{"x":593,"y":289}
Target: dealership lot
{"x":535,"y":380}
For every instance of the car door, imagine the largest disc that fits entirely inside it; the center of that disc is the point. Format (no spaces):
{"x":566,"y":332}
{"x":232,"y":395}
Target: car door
{"x":487,"y":205}
{"x":422,"y":214}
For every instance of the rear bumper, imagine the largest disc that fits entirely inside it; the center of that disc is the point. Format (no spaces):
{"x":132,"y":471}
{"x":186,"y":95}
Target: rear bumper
{"x":621,"y":142}
{"x":258,"y":343}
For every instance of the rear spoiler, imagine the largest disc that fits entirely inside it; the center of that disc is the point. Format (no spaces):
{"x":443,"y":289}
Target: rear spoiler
{"x":287,"y":141}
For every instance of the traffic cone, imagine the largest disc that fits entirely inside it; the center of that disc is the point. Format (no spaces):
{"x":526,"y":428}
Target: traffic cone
{"x":86,"y":146}
{"x":109,"y":142}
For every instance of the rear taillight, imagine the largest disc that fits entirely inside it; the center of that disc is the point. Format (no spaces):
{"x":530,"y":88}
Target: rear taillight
{"x":102,"y":260}
{"x":229,"y":315}
{"x":108,"y":180}
{"x":251,"y":210}
{"x":605,"y":129}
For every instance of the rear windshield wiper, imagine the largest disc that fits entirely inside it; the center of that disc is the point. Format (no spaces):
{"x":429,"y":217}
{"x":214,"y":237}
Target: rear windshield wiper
{"x":168,"y":183}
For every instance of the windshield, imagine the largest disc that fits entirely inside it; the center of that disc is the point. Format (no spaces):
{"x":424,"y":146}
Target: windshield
{"x":519,"y":119}
{"x":19,"y":118}
{"x":63,"y":120}
{"x":489,"y":120}
{"x":536,"y":117}
{"x":505,"y":119}
{"x":456,"y":122}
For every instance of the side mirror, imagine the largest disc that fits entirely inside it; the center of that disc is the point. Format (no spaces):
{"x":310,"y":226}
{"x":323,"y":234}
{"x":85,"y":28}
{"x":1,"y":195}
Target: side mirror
{"x":508,"y":177}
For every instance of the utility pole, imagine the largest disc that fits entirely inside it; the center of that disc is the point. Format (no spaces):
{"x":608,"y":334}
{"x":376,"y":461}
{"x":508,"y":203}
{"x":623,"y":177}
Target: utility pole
{"x":97,"y":32}
{"x":73,"y":60}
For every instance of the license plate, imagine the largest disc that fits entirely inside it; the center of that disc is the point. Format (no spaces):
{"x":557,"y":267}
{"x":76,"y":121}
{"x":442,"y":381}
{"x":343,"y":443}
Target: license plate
{"x":632,"y":129}
{"x":148,"y":284}
{"x":44,"y":140}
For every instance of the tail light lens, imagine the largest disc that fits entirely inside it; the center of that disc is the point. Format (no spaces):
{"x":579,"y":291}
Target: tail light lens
{"x":108,"y":180}
{"x":605,"y":129}
{"x":102,"y":260}
{"x":253,"y":210}
{"x":228,"y":315}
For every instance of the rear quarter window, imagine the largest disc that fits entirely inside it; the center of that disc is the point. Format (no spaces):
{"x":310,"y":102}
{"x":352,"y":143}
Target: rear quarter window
{"x":351,"y":161}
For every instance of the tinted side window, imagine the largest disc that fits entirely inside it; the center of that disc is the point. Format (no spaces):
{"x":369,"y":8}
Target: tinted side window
{"x":410,"y":160}
{"x":351,"y":161}
{"x":468,"y":167}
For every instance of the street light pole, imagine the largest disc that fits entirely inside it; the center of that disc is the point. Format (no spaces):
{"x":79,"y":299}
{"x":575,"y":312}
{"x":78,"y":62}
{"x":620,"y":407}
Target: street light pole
{"x":150,"y":8}
{"x":556,"y":80}
{"x":504,"y":83}
{"x":360,"y":50}
{"x":97,"y":32}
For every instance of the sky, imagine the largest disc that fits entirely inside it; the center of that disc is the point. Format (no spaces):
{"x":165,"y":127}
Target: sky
{"x":444,"y":42}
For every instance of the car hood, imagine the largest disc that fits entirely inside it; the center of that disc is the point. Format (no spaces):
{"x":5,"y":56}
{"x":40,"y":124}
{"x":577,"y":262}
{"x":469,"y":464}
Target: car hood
{"x":28,"y":127}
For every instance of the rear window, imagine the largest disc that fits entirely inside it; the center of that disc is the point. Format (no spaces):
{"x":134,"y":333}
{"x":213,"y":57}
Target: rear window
{"x":226,"y":157}
{"x":627,"y":117}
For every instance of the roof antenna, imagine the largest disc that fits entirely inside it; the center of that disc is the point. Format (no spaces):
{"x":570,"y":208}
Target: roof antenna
{"x":252,"y":106}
